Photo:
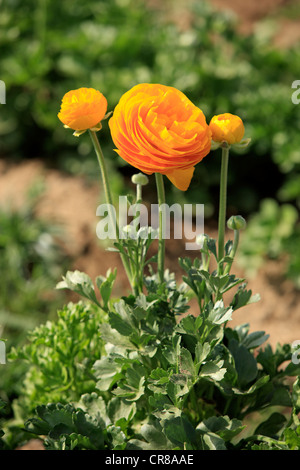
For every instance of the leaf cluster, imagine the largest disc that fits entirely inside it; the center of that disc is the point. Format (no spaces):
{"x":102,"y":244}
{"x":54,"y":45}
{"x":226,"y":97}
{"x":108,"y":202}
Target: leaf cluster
{"x":144,"y":374}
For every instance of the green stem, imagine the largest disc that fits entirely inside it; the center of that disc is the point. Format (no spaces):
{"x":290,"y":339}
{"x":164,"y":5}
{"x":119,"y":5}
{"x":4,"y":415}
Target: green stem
{"x":138,"y":192}
{"x":108,"y":196}
{"x":222,"y":205}
{"x":138,"y":202}
{"x":161,"y":238}
{"x":233,"y":251}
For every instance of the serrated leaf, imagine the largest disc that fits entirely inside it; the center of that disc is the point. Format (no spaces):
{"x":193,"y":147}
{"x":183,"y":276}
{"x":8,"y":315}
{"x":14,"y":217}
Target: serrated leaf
{"x":222,"y":426}
{"x":220,"y":314}
{"x":107,"y":371}
{"x":213,"y":442}
{"x":155,"y":439}
{"x":201,"y":353}
{"x":112,"y":336}
{"x":119,"y":324}
{"x":132,"y":388}
{"x":213,"y":370}
{"x":80,"y":283}
{"x":105,"y":285}
{"x":245,"y":363}
{"x":119,"y":408}
{"x":211,"y":244}
{"x":179,"y":431}
{"x":186,"y":363}
{"x":271,"y":426}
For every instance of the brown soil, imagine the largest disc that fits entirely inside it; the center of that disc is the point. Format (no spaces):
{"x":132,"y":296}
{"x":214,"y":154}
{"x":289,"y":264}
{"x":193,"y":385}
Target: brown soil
{"x":248,"y":15}
{"x":71,"y":204}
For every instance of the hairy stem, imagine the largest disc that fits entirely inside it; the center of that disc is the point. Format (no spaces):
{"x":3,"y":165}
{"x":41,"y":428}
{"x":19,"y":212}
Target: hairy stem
{"x":222,"y":205}
{"x":108,"y":196}
{"x":161,"y":238}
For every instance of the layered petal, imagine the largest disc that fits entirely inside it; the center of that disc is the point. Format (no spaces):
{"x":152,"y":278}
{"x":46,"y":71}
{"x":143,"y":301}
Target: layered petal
{"x":227,"y":128}
{"x":156,"y":128}
{"x":82,"y":109}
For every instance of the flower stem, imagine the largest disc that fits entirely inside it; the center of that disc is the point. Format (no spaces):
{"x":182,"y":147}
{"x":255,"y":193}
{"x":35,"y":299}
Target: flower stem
{"x":233,"y":251}
{"x":161,"y":238}
{"x":108,"y":196}
{"x":222,"y":204}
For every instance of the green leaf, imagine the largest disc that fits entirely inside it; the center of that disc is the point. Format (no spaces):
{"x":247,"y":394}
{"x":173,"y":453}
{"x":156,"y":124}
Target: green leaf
{"x":272,"y":425}
{"x":255,"y":339}
{"x":220,"y":314}
{"x":213,"y":371}
{"x":107,"y":372}
{"x":213,"y":442}
{"x":201,"y":353}
{"x":111,"y":336}
{"x":80,"y":283}
{"x":245,"y":363}
{"x":211,"y":245}
{"x":186,"y":363}
{"x":222,"y":426}
{"x":296,"y":394}
{"x":119,"y":324}
{"x":117,"y":437}
{"x":57,"y":420}
{"x":155,"y":439}
{"x":179,"y":431}
{"x":292,"y":438}
{"x":119,"y":408}
{"x":133,"y":386}
{"x":105,"y":286}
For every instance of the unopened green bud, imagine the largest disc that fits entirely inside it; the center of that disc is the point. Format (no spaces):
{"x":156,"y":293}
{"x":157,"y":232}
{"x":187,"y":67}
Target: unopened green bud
{"x":236,"y":222}
{"x":140,"y":178}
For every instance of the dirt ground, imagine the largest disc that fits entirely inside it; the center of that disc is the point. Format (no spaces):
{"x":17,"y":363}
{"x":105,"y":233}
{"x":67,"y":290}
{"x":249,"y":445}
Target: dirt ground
{"x":71,"y":204}
{"x":248,"y":14}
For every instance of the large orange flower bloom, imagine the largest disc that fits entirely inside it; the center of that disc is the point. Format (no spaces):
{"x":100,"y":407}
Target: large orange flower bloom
{"x":157,"y":129}
{"x":82,"y":109}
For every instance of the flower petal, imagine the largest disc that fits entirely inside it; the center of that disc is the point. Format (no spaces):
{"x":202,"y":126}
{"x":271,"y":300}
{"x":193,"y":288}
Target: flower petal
{"x":181,"y":178}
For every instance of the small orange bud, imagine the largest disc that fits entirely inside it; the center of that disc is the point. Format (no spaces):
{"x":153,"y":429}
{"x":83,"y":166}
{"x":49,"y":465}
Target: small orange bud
{"x":227,"y":127}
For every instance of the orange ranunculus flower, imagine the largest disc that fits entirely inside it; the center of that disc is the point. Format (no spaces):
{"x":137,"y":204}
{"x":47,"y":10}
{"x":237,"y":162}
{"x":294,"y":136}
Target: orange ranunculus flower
{"x":157,"y":129}
{"x":227,"y":127}
{"x":82,"y":109}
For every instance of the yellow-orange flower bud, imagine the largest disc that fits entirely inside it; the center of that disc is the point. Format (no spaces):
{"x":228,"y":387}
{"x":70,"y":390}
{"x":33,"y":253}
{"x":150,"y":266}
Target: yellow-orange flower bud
{"x":82,"y":109}
{"x":227,"y":128}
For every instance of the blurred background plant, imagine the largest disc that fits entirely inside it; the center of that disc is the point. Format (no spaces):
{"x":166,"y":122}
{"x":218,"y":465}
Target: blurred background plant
{"x":31,"y":262}
{"x":272,"y":232}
